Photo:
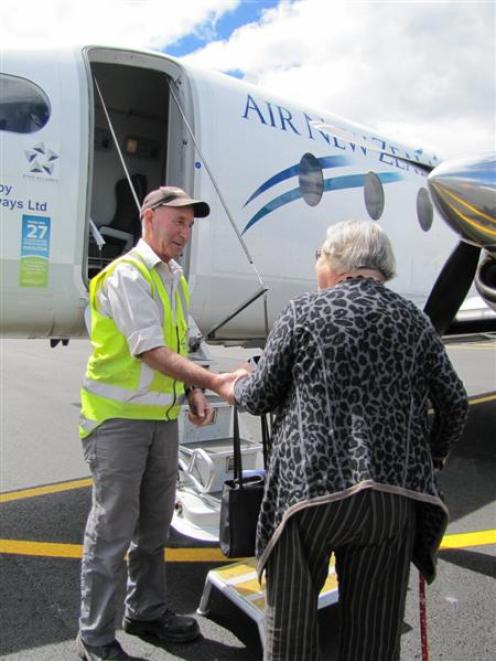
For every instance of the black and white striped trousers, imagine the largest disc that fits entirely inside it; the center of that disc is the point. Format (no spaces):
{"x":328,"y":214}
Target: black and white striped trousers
{"x":371,"y":534}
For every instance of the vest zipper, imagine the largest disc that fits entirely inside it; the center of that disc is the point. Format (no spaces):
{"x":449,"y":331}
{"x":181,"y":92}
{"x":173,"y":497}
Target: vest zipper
{"x":178,"y":346}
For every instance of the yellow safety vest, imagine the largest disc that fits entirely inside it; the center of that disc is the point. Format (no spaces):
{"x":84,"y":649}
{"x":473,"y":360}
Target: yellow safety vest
{"x":118,"y":385}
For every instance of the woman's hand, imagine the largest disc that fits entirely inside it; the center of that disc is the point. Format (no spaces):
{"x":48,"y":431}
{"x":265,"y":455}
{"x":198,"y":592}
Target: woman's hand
{"x":224,"y":385}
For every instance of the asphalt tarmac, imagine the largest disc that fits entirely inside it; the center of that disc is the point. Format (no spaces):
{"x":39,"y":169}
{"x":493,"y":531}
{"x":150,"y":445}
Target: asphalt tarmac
{"x":45,"y":497}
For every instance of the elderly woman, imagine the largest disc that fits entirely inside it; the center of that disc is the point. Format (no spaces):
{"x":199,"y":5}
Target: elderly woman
{"x":350,"y":373}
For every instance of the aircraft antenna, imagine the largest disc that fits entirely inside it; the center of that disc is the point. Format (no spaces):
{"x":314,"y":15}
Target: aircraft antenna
{"x":217,"y":189}
{"x":116,"y":142}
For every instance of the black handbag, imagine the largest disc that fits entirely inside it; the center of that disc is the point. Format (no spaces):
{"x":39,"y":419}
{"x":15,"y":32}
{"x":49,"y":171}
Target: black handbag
{"x":241,"y":500}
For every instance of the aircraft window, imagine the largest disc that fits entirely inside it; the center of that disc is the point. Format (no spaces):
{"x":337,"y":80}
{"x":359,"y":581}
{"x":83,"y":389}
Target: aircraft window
{"x":24,"y":107}
{"x":373,"y":191}
{"x":425,"y":211}
{"x":311,"y":179}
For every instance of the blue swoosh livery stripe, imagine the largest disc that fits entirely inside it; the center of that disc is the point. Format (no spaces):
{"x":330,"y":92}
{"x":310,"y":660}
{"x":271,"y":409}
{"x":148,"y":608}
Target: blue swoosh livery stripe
{"x":324,"y":162}
{"x":331,"y":184}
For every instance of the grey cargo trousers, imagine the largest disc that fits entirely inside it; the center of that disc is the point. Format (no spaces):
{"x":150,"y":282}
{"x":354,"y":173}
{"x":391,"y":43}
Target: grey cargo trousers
{"x":134,"y":469}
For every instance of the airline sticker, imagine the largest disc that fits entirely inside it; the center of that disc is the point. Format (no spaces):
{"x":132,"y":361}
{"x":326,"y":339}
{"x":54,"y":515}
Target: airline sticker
{"x":35,"y":250}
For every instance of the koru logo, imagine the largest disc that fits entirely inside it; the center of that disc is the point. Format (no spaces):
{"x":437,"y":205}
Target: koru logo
{"x":41,"y":159}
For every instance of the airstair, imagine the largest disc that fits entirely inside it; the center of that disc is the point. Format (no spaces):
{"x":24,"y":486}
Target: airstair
{"x":206,"y":460}
{"x":238,"y":582}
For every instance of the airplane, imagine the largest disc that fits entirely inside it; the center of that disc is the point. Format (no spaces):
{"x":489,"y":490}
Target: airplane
{"x":86,"y":131}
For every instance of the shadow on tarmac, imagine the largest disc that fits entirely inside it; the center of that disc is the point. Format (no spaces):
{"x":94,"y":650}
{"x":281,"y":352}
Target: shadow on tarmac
{"x":468,"y":479}
{"x":475,"y":561}
{"x":40,"y":607}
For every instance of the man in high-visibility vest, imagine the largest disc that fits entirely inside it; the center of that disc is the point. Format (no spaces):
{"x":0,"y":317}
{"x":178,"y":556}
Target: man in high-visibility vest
{"x":136,"y":379}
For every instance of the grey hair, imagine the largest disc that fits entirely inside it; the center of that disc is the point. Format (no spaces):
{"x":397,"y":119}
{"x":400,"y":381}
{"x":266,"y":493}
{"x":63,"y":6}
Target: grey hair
{"x":355,"y":244}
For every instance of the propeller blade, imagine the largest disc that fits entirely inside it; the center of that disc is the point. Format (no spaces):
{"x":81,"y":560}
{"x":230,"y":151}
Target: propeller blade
{"x":452,"y":285}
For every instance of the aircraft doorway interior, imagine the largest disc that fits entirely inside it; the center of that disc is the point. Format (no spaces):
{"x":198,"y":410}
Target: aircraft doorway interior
{"x":137,"y":103}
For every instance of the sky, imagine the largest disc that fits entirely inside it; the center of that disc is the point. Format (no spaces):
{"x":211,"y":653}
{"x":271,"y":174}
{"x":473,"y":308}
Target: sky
{"x":420,"y":73}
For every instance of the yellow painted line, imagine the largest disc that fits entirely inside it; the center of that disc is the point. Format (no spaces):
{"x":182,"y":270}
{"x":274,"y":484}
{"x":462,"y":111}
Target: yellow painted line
{"x":59,"y":487}
{"x":472,"y":347}
{"x":464,"y":539}
{"x":44,"y":549}
{"x":54,"y":550}
{"x":483,"y":399}
{"x":477,"y":346}
{"x":199,"y":554}
{"x":195,"y":555}
{"x":473,"y":401}
{"x":44,"y":490}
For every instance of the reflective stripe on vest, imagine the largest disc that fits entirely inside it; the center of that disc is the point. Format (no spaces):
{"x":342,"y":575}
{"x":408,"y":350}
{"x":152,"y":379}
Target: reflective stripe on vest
{"x":131,"y":396}
{"x":87,"y":426}
{"x":118,"y":385}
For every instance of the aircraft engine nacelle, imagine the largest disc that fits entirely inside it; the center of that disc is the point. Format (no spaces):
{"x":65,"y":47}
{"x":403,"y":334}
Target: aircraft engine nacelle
{"x":485,"y":279}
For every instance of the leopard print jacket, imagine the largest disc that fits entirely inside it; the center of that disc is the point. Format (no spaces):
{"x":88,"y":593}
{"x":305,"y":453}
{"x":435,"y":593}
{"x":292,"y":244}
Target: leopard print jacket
{"x":350,"y":374}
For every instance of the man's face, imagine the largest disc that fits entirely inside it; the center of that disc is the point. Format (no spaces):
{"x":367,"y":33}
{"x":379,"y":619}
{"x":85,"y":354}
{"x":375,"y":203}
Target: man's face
{"x":167,"y":230}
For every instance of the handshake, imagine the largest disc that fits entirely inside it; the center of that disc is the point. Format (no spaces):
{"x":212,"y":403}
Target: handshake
{"x":169,"y":362}
{"x":201,"y":413}
{"x":224,"y":383}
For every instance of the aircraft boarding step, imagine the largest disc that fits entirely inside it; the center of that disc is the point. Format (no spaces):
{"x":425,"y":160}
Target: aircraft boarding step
{"x":206,"y":460}
{"x":238,"y":582}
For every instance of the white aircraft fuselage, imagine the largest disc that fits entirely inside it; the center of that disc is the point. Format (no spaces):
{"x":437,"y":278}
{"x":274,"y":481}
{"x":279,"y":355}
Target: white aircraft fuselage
{"x":274,"y":180}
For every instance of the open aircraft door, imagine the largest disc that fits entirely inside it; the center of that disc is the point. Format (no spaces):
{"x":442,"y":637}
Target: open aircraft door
{"x":138,"y":143}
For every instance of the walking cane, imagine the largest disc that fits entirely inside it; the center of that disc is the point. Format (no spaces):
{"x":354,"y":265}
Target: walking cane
{"x":423,"y":618}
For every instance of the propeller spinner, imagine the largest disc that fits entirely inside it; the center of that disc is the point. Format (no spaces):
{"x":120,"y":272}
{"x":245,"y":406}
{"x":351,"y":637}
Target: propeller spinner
{"x":464,"y":192}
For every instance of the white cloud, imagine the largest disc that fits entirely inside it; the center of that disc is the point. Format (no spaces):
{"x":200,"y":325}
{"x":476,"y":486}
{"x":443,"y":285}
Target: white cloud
{"x":421,"y":72}
{"x":134,"y":23}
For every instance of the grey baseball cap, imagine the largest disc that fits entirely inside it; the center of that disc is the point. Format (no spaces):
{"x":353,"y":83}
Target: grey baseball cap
{"x":172,"y":196}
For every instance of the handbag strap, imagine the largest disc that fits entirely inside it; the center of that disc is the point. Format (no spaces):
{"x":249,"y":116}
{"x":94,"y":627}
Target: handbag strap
{"x":238,"y":466}
{"x":265,"y":439}
{"x":237,"y":448}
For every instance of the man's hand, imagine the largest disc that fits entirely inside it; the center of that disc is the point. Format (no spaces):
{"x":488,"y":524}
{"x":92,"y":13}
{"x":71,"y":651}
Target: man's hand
{"x":200,"y":412}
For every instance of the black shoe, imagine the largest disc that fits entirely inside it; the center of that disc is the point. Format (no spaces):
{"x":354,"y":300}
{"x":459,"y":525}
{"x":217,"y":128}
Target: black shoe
{"x":170,"y":628}
{"x":110,"y":652}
